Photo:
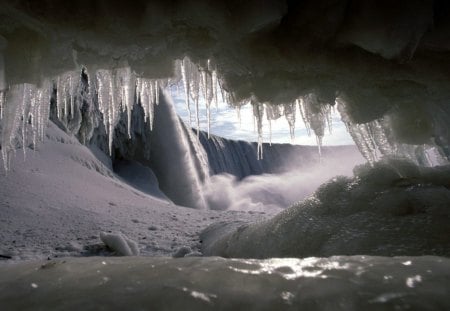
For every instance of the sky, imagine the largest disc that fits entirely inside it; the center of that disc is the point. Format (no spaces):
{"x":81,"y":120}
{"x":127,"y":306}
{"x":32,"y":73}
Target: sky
{"x":225,"y":123}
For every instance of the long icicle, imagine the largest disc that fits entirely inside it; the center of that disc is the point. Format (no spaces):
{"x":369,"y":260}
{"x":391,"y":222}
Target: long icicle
{"x":184,"y":76}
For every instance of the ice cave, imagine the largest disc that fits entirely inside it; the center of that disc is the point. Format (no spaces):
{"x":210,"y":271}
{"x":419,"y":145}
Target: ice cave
{"x":110,"y":200}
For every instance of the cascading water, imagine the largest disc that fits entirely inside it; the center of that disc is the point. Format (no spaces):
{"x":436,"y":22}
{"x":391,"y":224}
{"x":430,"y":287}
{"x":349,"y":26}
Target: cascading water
{"x":178,"y":159}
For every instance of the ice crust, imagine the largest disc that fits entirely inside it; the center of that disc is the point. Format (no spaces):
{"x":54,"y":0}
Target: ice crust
{"x":139,"y":283}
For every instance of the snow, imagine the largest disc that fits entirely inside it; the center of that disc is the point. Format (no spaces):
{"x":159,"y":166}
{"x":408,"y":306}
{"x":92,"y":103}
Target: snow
{"x":120,"y":244}
{"x":62,"y":195}
{"x":213,"y":283}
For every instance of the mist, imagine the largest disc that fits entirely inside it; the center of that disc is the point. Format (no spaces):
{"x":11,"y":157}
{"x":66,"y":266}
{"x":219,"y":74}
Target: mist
{"x":273,"y":192}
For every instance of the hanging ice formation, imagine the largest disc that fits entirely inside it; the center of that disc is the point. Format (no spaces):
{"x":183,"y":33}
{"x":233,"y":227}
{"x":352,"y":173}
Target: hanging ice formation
{"x":316,"y":116}
{"x":375,"y":140}
{"x":289,"y":113}
{"x":147,"y":93}
{"x":200,"y":82}
{"x":24,"y":110}
{"x":258,"y":113}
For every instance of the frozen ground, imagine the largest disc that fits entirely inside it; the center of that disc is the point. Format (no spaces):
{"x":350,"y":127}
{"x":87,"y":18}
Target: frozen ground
{"x":58,"y":201}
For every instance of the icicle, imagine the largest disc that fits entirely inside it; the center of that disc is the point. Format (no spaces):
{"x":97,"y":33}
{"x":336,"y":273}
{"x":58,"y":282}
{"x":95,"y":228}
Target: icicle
{"x":3,"y":84}
{"x":360,"y":135}
{"x":214,"y":88}
{"x":12,"y":121}
{"x":125,"y":84}
{"x":2,"y":103}
{"x":197,"y":119}
{"x":67,"y":86}
{"x":26,"y":102}
{"x":72,"y":102}
{"x":205,"y":87}
{"x":270,"y":132}
{"x":238,"y":113}
{"x":208,"y":117}
{"x":151,"y":89}
{"x":289,"y":113}
{"x":319,"y":146}
{"x":194,"y":89}
{"x":107,"y":103}
{"x":184,"y":73}
{"x":112,"y":116}
{"x":34,"y":116}
{"x":44,"y":96}
{"x":258,"y":113}
{"x":301,"y":107}
{"x":59,"y":96}
{"x":145,"y":93}
{"x":329,"y":110}
{"x":156,"y":92}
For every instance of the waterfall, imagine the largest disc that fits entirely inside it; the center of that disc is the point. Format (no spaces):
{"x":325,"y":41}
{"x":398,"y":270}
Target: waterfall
{"x":177,"y":157}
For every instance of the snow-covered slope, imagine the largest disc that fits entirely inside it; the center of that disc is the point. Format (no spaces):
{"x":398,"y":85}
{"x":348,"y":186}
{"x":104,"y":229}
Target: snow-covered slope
{"x":58,"y":201}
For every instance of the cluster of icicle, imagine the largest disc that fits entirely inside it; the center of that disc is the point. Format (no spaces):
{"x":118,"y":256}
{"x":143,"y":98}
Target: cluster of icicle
{"x":201,"y":81}
{"x":315,"y":116}
{"x":24,"y":111}
{"x":26,"y":107}
{"x":116,"y":92}
{"x":375,"y":140}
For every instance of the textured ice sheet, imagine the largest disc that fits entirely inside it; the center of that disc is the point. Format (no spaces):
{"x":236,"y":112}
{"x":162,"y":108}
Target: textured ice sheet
{"x":139,"y":283}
